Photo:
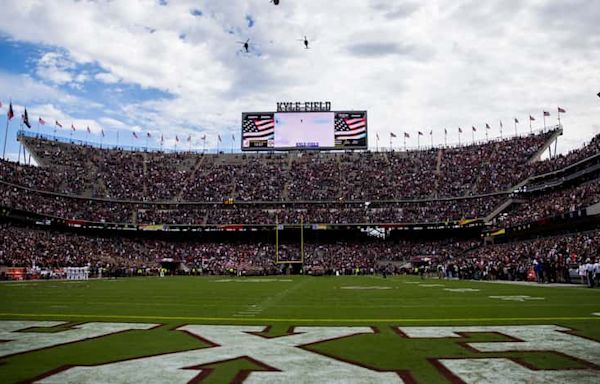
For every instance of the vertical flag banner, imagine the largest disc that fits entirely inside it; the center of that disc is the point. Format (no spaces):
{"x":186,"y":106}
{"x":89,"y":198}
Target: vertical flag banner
{"x":531,"y":118}
{"x":26,"y":119}
{"x":10,"y":114}
{"x":560,"y":110}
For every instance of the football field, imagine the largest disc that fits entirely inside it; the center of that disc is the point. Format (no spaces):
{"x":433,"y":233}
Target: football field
{"x":297,"y":329}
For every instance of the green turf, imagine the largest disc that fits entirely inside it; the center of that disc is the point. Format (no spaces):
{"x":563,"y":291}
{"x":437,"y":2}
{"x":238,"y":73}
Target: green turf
{"x":284,"y":302}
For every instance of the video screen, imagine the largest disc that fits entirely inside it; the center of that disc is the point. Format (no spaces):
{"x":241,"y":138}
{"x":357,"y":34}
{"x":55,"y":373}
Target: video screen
{"x":304,"y":130}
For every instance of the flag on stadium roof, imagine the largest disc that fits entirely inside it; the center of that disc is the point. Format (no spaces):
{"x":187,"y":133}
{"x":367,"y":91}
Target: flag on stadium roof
{"x":232,"y":137}
{"x":546,"y":113}
{"x":501,"y":124}
{"x":177,"y":138}
{"x":420,"y":133}
{"x":203,"y":137}
{"x":190,"y":138}
{"x":474,"y":129}
{"x":73,"y":127}
{"x":219,"y":138}
{"x":26,"y":119}
{"x":10,"y":114}
{"x":377,"y":135}
{"x":102,"y":132}
{"x":445,"y":131}
{"x":406,"y":135}
{"x":41,"y":121}
{"x":57,"y":123}
{"x":487,"y":126}
{"x":516,"y":120}
{"x":459,"y":130}
{"x":134,"y":134}
{"x":531,"y":118}
{"x":0,"y":104}
{"x":598,"y":94}
{"x":88,"y":129}
{"x":148,"y":135}
{"x":392,"y":134}
{"x":561,"y":110}
{"x":431,"y":132}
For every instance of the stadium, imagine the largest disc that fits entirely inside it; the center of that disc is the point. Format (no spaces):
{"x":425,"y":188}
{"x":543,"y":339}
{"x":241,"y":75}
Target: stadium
{"x":308,"y":251}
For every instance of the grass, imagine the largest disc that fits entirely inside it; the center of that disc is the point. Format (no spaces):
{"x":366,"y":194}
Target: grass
{"x":284,"y":302}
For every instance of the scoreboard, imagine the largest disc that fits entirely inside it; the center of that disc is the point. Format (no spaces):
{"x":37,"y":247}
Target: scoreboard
{"x":274,"y":131}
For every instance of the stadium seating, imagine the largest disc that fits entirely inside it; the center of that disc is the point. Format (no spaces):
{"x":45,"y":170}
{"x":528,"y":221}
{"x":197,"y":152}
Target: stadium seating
{"x":440,"y":185}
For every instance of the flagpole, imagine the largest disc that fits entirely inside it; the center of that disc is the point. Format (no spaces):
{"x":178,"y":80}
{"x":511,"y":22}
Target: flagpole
{"x":530,"y":127}
{"x":445,"y":137}
{"x":544,"y":114}
{"x":431,"y":135}
{"x":500,"y":129}
{"x":516,"y":134}
{"x":404,"y":141}
{"x":559,"y":117}
{"x":5,"y":137}
{"x":418,"y":141}
{"x":21,"y":144}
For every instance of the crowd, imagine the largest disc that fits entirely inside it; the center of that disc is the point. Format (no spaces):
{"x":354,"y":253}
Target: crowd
{"x":106,"y":211}
{"x":549,"y":204}
{"x":363,"y":176}
{"x":590,"y":149}
{"x":26,"y":247}
{"x":547,"y":260}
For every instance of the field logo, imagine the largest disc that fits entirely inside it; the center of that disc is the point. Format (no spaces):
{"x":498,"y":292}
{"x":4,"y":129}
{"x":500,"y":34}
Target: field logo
{"x":520,"y":298}
{"x":16,"y":339}
{"x":281,"y":359}
{"x":549,"y":338}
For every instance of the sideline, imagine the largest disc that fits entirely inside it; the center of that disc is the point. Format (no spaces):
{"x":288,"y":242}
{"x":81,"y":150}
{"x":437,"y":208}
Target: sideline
{"x":280,"y":320}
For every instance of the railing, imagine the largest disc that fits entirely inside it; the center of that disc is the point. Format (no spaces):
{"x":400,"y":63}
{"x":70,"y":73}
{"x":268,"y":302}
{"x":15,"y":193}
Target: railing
{"x":182,"y":149}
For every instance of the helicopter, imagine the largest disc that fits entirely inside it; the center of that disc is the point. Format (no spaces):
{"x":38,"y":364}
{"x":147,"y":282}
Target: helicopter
{"x":245,"y":45}
{"x":305,"y":41}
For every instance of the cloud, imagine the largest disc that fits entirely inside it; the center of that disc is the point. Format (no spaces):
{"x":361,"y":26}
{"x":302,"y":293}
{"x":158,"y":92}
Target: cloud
{"x":24,"y":89}
{"x":428,"y":65}
{"x":381,"y":49}
{"x":106,"y":77}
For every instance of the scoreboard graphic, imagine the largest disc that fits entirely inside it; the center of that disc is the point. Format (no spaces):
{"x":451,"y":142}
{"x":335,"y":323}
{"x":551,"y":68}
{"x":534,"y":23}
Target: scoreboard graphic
{"x":304,"y":130}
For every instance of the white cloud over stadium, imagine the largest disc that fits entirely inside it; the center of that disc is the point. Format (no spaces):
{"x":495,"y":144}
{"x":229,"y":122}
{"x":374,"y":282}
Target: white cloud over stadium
{"x":414,"y":66}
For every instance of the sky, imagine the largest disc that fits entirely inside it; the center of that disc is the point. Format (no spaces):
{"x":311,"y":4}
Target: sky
{"x":177,"y":69}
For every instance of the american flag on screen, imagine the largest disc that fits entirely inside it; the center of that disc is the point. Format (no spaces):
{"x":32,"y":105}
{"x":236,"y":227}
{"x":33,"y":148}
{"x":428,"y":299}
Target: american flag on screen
{"x":350,"y":128}
{"x":258,"y":128}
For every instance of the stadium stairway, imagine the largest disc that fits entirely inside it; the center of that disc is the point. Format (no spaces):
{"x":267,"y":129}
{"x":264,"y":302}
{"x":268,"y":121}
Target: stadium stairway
{"x":501,"y":208}
{"x":593,"y":209}
{"x":193,"y":175}
{"x":552,"y":139}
